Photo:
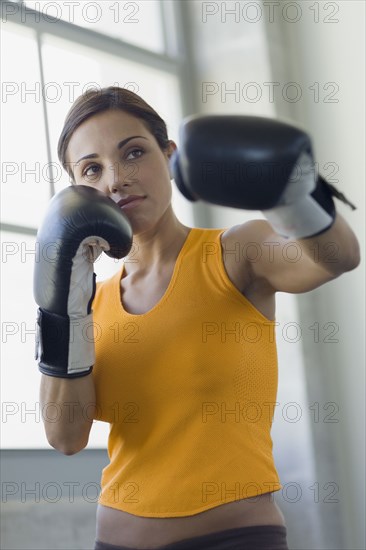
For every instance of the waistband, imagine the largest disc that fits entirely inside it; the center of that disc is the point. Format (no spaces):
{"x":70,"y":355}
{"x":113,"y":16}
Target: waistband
{"x":260,"y":537}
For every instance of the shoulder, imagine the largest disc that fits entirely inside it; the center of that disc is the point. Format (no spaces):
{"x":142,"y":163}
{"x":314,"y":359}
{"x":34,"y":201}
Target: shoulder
{"x":242,"y":246}
{"x":253,"y":231}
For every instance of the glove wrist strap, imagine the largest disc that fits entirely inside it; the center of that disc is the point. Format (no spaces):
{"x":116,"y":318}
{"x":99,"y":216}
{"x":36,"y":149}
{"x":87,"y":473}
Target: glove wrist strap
{"x":64,"y":346}
{"x":309,"y":216}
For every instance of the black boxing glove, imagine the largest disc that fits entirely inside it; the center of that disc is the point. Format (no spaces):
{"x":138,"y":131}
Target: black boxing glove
{"x":255,"y":163}
{"x":80,"y":223}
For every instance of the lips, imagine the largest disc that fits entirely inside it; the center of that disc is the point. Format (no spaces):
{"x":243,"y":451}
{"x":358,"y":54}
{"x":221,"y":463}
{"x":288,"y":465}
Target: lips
{"x":129,"y":200}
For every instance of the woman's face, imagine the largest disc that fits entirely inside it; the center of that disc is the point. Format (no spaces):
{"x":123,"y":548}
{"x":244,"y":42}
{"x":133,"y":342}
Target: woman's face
{"x":126,"y":163}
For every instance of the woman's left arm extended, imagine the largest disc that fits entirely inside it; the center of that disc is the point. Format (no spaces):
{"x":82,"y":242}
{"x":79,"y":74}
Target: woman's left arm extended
{"x":264,"y":164}
{"x":336,"y":250}
{"x":293,"y":266}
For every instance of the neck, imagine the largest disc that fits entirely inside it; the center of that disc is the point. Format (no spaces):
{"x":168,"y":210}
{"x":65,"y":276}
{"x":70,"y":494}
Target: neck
{"x":156,"y":246}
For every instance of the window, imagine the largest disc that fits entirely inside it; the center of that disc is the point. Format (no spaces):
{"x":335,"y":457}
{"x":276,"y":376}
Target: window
{"x":46,"y":64}
{"x":136,"y":22}
{"x":23,"y":140}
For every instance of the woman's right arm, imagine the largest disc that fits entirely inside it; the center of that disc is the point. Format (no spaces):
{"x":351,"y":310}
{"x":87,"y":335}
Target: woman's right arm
{"x":79,"y":224}
{"x":68,"y":407}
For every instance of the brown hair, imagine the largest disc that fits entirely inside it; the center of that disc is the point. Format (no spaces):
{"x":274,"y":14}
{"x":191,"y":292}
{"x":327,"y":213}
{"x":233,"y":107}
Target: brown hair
{"x":95,"y":101}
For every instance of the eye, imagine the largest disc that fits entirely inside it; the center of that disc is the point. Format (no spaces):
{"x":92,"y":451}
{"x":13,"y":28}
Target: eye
{"x":93,"y":173}
{"x":134,"y":151}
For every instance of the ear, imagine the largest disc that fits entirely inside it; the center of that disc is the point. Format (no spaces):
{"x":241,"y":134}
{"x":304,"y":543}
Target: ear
{"x":169,"y":152}
{"x":171,"y":148}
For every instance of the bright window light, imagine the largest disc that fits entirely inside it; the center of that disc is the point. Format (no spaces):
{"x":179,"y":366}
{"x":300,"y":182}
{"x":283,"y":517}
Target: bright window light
{"x":25,"y":169}
{"x":136,"y":22}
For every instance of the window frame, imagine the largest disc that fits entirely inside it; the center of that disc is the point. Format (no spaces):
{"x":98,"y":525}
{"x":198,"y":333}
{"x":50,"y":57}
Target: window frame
{"x":174,"y":60}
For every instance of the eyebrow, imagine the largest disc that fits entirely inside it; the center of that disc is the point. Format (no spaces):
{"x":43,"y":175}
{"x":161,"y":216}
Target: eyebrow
{"x":119,"y":146}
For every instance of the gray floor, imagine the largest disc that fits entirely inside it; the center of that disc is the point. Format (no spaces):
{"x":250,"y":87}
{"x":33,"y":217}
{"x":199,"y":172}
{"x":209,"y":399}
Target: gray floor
{"x":36,"y":526}
{"x":49,"y":502}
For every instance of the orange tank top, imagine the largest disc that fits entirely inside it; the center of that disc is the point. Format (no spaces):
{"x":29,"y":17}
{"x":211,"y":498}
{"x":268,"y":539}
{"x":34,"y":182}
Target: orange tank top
{"x":188,"y":388}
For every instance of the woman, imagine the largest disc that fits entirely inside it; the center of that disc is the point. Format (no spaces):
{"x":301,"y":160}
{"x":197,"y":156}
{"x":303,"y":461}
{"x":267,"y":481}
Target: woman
{"x":185,"y":368}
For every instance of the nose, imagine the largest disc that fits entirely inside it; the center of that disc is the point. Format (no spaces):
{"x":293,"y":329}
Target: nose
{"x":121,"y":176}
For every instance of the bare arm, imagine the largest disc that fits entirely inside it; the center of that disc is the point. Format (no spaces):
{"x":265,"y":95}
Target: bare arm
{"x":67,"y":406}
{"x":336,"y":250}
{"x":293,"y":266}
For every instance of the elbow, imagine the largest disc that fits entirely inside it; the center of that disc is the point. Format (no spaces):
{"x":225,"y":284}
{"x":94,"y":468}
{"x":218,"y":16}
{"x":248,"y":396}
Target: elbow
{"x":348,"y":263}
{"x":68,"y":451}
{"x":68,"y":448}
{"x":354,"y":259}
{"x":66,"y":441}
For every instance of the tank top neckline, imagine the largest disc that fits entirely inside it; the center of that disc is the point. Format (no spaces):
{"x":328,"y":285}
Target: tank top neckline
{"x":192,"y":232}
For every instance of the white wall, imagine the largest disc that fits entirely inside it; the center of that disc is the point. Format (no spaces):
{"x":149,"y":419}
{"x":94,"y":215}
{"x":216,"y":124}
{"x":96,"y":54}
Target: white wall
{"x":331,"y":52}
{"x":311,"y":44}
